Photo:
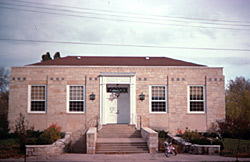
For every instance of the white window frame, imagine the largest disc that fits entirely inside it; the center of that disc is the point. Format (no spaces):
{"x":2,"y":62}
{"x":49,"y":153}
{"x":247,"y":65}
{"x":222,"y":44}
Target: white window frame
{"x":68,"y":100}
{"x":29,"y":100}
{"x":204,"y":99}
{"x":150,"y":99}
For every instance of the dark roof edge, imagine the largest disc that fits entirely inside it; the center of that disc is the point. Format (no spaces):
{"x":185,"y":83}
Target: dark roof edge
{"x":55,"y":62}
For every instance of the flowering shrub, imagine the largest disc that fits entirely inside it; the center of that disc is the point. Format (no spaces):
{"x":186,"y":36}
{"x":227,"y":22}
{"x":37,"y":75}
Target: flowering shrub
{"x":190,"y":135}
{"x":50,"y":135}
{"x":179,"y":133}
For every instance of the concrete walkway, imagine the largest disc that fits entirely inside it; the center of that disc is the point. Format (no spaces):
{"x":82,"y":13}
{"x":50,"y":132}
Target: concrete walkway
{"x":145,"y":157}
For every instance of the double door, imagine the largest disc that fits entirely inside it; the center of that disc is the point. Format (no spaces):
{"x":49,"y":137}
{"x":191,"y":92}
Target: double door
{"x":117,"y":104}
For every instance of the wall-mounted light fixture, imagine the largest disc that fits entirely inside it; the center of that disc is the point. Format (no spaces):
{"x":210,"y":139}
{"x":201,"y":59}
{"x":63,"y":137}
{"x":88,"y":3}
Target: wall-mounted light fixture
{"x":116,"y":92}
{"x":92,"y":96}
{"x":142,"y":96}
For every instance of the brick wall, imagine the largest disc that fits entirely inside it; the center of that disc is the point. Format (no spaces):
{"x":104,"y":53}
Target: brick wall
{"x":177,"y":79}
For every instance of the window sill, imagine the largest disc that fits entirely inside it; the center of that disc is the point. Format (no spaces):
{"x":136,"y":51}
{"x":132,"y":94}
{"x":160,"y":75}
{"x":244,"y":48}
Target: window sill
{"x":158,"y":112}
{"x":75,"y":112}
{"x":198,"y":113}
{"x":36,"y":112}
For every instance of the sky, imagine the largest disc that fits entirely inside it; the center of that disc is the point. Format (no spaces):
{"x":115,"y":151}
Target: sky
{"x":215,"y":33}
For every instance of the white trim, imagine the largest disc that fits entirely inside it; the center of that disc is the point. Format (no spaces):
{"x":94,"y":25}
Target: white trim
{"x":29,"y":100}
{"x":68,"y":100}
{"x":150,"y":100}
{"x":122,"y":78}
{"x":188,"y":100}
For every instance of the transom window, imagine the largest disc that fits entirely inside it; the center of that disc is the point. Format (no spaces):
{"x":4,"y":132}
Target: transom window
{"x":196,"y":99}
{"x":37,"y":98}
{"x":76,"y":98}
{"x":158,"y":99}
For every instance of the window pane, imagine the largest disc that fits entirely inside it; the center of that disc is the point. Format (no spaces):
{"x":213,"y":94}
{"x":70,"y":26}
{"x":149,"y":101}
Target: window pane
{"x":37,"y":105}
{"x":196,"y":93}
{"x":38,"y":93}
{"x":76,"y":105}
{"x":158,"y":92}
{"x":76,"y":93}
{"x":197,"y":106}
{"x":159,"y":106}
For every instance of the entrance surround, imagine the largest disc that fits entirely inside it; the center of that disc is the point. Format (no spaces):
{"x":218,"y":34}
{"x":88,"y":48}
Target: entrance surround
{"x":118,"y":78}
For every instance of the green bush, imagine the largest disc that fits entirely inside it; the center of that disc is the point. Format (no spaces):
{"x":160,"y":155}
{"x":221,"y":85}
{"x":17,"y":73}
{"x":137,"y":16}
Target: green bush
{"x":190,"y":135}
{"x":34,"y":133}
{"x":31,"y":141}
{"x":210,"y":135}
{"x":218,"y":142}
{"x":3,"y":134}
{"x":201,"y":141}
{"x":62,"y":134}
{"x":162,"y":134}
{"x":23,"y":131}
{"x":50,"y":135}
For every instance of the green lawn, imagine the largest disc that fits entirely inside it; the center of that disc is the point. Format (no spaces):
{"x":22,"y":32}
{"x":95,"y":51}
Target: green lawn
{"x":9,"y":148}
{"x":230,"y":147}
{"x":7,"y":141}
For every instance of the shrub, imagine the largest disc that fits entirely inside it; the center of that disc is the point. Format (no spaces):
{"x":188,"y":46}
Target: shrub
{"x":190,"y":135}
{"x":162,"y":134}
{"x":210,"y":135}
{"x":31,"y":141}
{"x":62,"y":134}
{"x":4,"y":126}
{"x":179,"y":133}
{"x":3,"y":134}
{"x":218,"y":142}
{"x":201,"y":141}
{"x":50,"y":135}
{"x":23,"y":131}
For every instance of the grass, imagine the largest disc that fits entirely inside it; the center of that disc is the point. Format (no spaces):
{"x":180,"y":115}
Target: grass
{"x":230,"y":147}
{"x":7,"y":141}
{"x":9,"y":148}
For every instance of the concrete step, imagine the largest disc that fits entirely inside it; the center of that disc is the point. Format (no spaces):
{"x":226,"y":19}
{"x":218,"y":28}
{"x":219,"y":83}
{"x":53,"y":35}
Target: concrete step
{"x":120,"y":138}
{"x":119,"y":135}
{"x":119,"y":131}
{"x":121,"y":145}
{"x":118,"y":148}
{"x":121,"y":152}
{"x":101,"y":147}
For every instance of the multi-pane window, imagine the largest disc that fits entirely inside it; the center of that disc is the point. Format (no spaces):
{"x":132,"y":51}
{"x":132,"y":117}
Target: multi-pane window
{"x":76,"y":99}
{"x":158,"y":99}
{"x":196,"y":99}
{"x":38,"y":98}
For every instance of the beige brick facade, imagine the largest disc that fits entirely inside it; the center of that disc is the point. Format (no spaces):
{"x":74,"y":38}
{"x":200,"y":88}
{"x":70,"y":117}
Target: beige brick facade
{"x":177,"y":80}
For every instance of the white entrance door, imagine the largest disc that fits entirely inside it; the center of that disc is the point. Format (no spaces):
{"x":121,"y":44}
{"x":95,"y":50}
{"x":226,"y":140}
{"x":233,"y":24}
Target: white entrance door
{"x":117,"y":104}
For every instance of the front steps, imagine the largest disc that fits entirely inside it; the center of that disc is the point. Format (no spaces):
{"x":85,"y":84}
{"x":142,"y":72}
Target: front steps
{"x":120,"y":138}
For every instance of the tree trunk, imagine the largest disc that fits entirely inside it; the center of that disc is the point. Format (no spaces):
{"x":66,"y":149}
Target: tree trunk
{"x":238,"y":148}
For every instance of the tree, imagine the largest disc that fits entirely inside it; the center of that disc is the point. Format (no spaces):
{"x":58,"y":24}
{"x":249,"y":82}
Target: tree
{"x":4,"y":98}
{"x":4,"y":80}
{"x":238,"y":127}
{"x":237,"y":122}
{"x":46,"y":57}
{"x":57,"y":55}
{"x":238,"y":98}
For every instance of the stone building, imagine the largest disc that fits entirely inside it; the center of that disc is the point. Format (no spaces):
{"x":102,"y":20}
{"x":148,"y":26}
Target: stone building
{"x":78,"y":92}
